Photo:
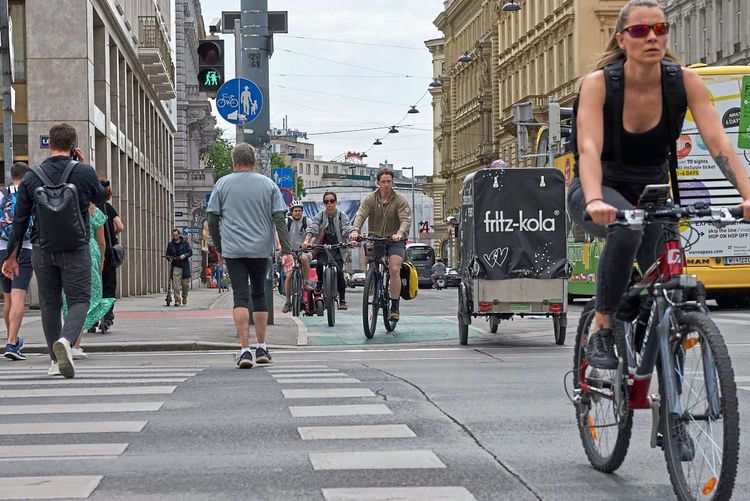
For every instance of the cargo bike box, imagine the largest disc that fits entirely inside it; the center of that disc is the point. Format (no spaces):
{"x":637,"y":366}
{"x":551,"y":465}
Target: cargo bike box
{"x":512,"y":232}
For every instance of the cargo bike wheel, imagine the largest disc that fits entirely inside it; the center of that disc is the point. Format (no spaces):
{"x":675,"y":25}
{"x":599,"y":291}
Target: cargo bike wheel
{"x":464,"y":316}
{"x":560,"y":325}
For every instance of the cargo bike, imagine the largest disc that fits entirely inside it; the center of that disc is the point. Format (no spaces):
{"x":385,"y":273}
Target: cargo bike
{"x":512,"y":232}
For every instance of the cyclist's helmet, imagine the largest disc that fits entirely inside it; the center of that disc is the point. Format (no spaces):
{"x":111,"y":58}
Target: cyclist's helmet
{"x":295,"y":203}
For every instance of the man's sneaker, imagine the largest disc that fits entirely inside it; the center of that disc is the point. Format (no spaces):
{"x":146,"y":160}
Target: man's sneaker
{"x":685,"y":445}
{"x":262,"y":356}
{"x":177,"y":301}
{"x":287,"y":307}
{"x":343,"y":306}
{"x":79,"y":354}
{"x":395,"y":315}
{"x":64,"y":356}
{"x":245,"y":360}
{"x":600,"y":350}
{"x":54,"y":369}
{"x":184,"y":302}
{"x":13,"y":352}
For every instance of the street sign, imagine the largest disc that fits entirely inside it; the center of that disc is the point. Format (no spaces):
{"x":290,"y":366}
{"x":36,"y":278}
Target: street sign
{"x":288,"y":196}
{"x":44,"y":142}
{"x":283,"y":177}
{"x":178,"y":214}
{"x":239,"y":101}
{"x":191,"y":229}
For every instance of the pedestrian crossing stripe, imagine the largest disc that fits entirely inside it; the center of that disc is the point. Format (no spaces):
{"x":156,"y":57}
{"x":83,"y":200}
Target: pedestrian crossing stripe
{"x":327,"y":393}
{"x":49,"y":487}
{"x":60,"y":451}
{"x":375,"y":460}
{"x":84,"y":381}
{"x":86,"y":392}
{"x":399,"y":493}
{"x":74,"y":408}
{"x":73,"y":427}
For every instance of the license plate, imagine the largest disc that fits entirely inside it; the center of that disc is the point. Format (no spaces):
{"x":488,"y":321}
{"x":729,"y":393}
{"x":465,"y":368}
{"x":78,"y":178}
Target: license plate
{"x":737,"y":260}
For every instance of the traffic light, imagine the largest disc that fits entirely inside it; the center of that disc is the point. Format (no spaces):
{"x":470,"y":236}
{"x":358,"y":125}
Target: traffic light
{"x":210,"y":65}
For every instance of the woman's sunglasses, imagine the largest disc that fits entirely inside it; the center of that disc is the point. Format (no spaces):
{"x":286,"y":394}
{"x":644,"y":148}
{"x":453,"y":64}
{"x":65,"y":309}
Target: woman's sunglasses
{"x":642,"y":30}
{"x":329,"y":202}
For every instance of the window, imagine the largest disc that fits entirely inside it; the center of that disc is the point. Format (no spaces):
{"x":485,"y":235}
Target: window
{"x":308,"y":169}
{"x":571,"y":61}
{"x":17,"y":13}
{"x":738,"y":23}
{"x":307,"y":153}
{"x":719,"y":25}
{"x":317,"y":170}
{"x":561,"y":77}
{"x":325,"y":169}
{"x":703,"y":29}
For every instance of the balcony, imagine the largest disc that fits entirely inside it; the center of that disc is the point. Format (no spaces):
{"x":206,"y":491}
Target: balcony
{"x":154,"y":55}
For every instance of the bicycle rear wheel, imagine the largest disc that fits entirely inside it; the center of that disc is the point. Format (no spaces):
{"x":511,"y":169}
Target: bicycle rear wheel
{"x":329,"y":295}
{"x":702,"y":445}
{"x":370,"y":302}
{"x":604,"y":419}
{"x":296,"y":284}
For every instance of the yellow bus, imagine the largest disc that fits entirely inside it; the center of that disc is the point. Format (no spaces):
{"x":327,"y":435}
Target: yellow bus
{"x":719,"y":257}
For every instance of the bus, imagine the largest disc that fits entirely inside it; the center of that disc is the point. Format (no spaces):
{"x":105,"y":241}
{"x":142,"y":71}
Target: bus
{"x":719,"y":257}
{"x":422,"y":256}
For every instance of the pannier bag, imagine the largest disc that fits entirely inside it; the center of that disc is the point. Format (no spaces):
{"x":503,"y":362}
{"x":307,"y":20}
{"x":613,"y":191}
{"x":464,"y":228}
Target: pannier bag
{"x":409,"y":281}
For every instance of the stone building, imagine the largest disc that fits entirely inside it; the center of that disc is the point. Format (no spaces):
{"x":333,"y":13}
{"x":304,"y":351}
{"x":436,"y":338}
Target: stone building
{"x":105,"y":67}
{"x":196,"y":132}
{"x":494,"y":59}
{"x":715,"y":32}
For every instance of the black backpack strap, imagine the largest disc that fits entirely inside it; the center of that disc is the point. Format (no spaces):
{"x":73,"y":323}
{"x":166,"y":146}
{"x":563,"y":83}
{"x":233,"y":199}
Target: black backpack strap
{"x":614,"y":81}
{"x":288,"y":223}
{"x":68,"y":170}
{"x":41,"y":175}
{"x":304,"y":223}
{"x":674,"y":99}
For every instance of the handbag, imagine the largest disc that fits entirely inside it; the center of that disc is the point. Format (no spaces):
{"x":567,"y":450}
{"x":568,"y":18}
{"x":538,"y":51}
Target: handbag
{"x":116,"y":251}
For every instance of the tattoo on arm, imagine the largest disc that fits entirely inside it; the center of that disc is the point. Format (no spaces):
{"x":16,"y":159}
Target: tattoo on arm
{"x":723,"y":163}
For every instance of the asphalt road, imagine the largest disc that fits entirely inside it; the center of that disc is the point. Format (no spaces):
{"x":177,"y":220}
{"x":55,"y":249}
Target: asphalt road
{"x":489,"y":422}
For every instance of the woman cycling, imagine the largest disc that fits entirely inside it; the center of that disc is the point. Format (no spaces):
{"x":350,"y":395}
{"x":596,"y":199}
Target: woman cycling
{"x":615,"y":161}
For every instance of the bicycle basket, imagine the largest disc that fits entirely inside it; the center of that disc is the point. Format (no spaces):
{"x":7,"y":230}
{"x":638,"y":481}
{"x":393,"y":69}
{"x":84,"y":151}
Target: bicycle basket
{"x":374,"y":250}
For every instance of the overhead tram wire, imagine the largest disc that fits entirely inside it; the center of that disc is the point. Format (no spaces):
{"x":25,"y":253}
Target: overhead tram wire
{"x":361,"y":120}
{"x":370,"y":44}
{"x":340,"y":96}
{"x":349,"y":64}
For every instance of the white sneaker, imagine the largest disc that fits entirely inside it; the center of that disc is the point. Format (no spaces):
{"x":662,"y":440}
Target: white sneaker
{"x":64,"y":356}
{"x":54,"y":369}
{"x":79,"y":354}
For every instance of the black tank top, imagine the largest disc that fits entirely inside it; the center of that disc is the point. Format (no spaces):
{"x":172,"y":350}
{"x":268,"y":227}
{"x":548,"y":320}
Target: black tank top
{"x":642,"y":149}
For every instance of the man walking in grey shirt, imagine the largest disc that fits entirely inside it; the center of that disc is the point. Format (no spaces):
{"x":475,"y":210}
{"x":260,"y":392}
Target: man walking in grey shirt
{"x":243,"y":209}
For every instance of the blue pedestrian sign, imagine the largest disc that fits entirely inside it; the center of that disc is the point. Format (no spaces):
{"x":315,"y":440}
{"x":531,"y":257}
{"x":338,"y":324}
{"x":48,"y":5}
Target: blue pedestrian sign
{"x":239,"y":101}
{"x":283,"y":177}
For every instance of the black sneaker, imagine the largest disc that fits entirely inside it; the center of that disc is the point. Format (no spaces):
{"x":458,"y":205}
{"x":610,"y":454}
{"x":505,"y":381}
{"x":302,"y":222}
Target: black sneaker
{"x":394,"y":315}
{"x":685,"y":445}
{"x":600,"y":350}
{"x":246,"y":360}
{"x":262,"y":356}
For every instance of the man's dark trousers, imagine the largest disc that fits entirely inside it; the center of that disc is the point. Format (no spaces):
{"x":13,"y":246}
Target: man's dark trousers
{"x":58,"y":272}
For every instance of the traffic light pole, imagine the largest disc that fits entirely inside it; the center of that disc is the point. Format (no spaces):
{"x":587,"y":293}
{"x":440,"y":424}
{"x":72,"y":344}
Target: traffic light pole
{"x":238,"y":68}
{"x":6,"y":90}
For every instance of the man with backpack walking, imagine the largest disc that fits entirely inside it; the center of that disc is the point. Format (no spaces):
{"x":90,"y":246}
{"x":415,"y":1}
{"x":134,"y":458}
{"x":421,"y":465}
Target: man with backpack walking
{"x":58,"y":193}
{"x":14,"y":290}
{"x":179,"y":252}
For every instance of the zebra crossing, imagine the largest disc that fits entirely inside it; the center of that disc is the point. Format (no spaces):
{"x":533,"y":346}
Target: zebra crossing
{"x":356,"y":404}
{"x":36,"y":426}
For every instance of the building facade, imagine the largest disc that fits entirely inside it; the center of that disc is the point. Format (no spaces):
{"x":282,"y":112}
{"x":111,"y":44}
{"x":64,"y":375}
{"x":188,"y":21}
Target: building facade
{"x":715,"y":32}
{"x":196,"y":133}
{"x":494,"y":59}
{"x":111,"y":78}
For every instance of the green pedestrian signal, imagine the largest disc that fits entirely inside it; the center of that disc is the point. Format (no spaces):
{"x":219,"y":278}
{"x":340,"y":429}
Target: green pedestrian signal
{"x":210,"y":65}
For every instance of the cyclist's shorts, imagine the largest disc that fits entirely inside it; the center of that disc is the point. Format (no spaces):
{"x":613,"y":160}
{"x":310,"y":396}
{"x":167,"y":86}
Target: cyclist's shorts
{"x":389,"y":249}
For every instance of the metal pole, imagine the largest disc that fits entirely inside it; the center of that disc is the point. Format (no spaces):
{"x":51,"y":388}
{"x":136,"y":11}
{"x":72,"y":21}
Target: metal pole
{"x":238,"y":68}
{"x":413,"y":208}
{"x":550,"y":147}
{"x":6,"y":90}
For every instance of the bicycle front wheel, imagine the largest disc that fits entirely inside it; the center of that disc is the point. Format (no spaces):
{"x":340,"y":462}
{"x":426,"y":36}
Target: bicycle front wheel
{"x":370,"y":302}
{"x":329,"y":295}
{"x":604,"y":419}
{"x":701,"y":446}
{"x":390,"y":325}
{"x":296,"y":284}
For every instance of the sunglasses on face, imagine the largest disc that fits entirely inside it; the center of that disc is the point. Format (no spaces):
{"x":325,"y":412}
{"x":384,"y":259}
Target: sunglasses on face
{"x":329,"y":202}
{"x":642,"y":30}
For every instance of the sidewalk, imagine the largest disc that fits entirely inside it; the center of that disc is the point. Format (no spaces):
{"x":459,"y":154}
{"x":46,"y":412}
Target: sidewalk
{"x":145,"y":323}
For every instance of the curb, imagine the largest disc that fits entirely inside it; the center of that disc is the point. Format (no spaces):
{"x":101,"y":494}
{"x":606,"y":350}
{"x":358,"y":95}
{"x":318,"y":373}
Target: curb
{"x":301,"y":331}
{"x":161,"y":346}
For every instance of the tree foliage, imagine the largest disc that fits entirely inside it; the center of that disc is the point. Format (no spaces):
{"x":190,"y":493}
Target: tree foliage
{"x":220,"y":156}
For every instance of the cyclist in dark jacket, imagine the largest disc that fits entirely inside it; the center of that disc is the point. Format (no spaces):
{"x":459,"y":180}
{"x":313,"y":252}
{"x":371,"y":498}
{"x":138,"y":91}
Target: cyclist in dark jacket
{"x":179,"y":252}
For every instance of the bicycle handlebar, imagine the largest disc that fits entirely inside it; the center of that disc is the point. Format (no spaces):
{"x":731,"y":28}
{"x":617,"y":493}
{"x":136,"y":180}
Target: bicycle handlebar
{"x":360,"y":238}
{"x":638,"y":218}
{"x":330,"y":246}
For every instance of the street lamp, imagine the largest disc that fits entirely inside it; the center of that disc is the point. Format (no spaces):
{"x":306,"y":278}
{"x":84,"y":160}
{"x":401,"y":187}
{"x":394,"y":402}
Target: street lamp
{"x":436,"y":83}
{"x":510,"y":6}
{"x":413,"y":204}
{"x":465,"y":57}
{"x":393,"y":130}
{"x":377,"y":142}
{"x":412,"y":110}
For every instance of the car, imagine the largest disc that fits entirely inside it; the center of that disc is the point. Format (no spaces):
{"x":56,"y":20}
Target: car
{"x":452,"y":278}
{"x":357,"y":280}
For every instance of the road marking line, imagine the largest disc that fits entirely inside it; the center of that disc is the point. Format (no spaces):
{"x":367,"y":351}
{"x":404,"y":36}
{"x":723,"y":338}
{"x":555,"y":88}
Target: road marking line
{"x":746,"y":388}
{"x":71,"y":486}
{"x":328,"y":393}
{"x":300,"y":371}
{"x":148,"y":368}
{"x":73,"y":427}
{"x":336,"y":410}
{"x":55,"y":458}
{"x":83,"y":381}
{"x":60,"y":450}
{"x":375,"y":460}
{"x":398,"y":493}
{"x":83,"y":376}
{"x":85,"y":392}
{"x":332,"y":375}
{"x":12,"y":410}
{"x":338,"y":380}
{"x":292,"y":365}
{"x":355,"y":432}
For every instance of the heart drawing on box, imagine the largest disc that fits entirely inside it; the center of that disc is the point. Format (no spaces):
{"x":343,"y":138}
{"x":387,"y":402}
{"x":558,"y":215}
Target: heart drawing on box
{"x":497,"y":257}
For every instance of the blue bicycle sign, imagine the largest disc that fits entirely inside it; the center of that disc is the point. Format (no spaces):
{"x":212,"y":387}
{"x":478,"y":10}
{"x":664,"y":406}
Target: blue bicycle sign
{"x":240,"y":101}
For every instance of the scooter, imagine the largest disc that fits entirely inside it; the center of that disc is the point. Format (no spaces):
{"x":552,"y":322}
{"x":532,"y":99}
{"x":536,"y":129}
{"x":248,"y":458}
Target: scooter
{"x":440,"y":283}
